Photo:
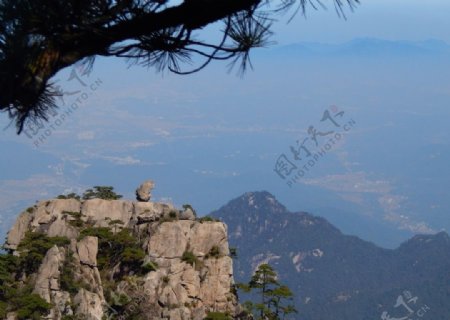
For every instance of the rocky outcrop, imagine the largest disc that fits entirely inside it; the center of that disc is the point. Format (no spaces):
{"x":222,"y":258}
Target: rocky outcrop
{"x":145,"y":212}
{"x":47,"y":283}
{"x":186,"y":271}
{"x":50,"y":217}
{"x":89,"y":305}
{"x":17,"y":233}
{"x":44,"y":216}
{"x":187,"y":214}
{"x":102,"y":212}
{"x":143,"y":192}
{"x":48,"y":274}
{"x":57,"y":217}
{"x":87,"y":249}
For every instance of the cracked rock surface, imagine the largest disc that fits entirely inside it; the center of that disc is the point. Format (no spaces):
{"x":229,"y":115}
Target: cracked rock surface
{"x":191,"y":271}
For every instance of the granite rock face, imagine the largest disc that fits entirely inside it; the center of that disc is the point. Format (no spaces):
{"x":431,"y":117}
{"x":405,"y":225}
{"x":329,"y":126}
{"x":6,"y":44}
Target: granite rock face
{"x":188,"y":268}
{"x":45,"y":214}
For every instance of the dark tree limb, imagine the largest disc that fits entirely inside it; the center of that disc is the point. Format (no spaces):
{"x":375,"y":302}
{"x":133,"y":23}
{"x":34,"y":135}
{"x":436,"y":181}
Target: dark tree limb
{"x":38,"y":38}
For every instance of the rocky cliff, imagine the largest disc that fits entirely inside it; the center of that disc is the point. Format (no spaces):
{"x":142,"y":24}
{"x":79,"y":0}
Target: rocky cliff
{"x":122,"y":260}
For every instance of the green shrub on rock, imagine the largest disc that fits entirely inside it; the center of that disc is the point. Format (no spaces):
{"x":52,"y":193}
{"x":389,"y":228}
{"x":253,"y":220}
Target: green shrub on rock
{"x":189,"y":258}
{"x":149,"y":267}
{"x":33,"y":248}
{"x":217,"y":316}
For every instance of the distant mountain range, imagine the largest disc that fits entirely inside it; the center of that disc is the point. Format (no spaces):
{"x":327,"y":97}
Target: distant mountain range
{"x":366,"y":47}
{"x":336,"y":276}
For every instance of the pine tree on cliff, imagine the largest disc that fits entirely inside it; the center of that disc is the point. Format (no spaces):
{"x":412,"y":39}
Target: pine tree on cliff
{"x":274,"y":302}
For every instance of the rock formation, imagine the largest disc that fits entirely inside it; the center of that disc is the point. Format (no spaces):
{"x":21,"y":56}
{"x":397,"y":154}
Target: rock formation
{"x":184,"y":273}
{"x":143,"y":192}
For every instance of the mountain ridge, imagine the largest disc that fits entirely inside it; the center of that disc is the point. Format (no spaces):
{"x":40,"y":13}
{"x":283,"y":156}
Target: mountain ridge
{"x":363,"y":47}
{"x":351,"y":277}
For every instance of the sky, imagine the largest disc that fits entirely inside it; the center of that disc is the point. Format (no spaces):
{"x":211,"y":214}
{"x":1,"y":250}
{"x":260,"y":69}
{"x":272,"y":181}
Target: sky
{"x":212,"y":136}
{"x":385,"y":19}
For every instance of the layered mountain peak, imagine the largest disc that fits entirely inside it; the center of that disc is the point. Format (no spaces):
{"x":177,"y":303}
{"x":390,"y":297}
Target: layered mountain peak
{"x":262,"y":199}
{"x":257,"y":201}
{"x":261,"y":212}
{"x":334,"y":276}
